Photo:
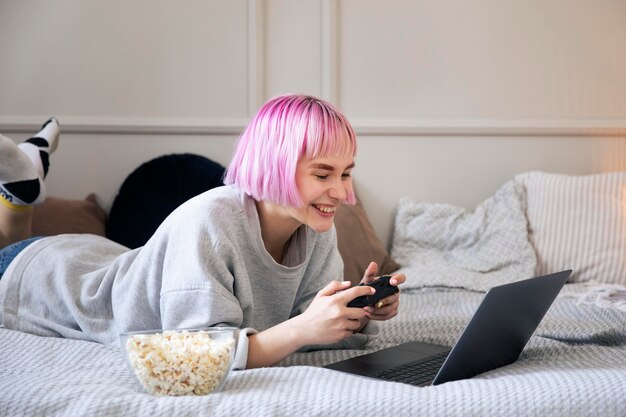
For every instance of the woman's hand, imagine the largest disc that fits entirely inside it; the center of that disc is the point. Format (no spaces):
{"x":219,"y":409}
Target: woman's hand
{"x":328,"y":319}
{"x":386,"y":308}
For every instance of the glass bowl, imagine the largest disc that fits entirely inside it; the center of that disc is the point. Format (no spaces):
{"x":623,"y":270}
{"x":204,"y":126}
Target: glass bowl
{"x":181,"y":362}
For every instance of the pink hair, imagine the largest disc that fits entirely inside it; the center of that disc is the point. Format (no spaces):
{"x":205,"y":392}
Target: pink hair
{"x":286,"y":129}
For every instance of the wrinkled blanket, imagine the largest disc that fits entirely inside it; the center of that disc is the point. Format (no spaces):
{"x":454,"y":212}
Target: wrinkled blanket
{"x":573,"y":366}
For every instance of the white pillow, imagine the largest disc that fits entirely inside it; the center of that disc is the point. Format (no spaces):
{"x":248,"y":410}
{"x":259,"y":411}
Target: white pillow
{"x":578,"y":222}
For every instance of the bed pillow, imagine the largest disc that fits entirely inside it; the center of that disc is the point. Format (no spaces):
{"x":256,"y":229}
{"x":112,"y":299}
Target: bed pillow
{"x":153,"y":190}
{"x":358,"y":244}
{"x":578,"y":222}
{"x":451,"y":246}
{"x":59,"y":215}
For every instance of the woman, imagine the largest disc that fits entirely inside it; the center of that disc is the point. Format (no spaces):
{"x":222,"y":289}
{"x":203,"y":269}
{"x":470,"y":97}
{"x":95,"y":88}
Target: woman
{"x":259,"y":253}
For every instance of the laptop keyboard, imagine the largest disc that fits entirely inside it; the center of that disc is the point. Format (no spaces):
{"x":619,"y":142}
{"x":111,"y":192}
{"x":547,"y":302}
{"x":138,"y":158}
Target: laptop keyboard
{"x":419,"y":373}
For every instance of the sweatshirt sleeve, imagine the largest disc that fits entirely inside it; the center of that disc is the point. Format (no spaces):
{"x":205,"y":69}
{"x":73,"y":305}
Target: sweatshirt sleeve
{"x":199,"y":271}
{"x":199,"y":308}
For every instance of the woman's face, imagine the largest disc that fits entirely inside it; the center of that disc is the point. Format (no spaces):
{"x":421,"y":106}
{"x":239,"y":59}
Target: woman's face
{"x":324,"y":184}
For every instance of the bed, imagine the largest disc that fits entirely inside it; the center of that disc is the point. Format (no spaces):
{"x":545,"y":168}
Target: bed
{"x":574,"y":365}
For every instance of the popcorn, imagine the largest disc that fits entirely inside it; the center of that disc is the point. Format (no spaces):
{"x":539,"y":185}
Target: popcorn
{"x":180,"y":363}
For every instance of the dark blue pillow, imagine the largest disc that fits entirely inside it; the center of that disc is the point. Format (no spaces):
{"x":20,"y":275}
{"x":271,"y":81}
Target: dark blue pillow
{"x":154,"y":190}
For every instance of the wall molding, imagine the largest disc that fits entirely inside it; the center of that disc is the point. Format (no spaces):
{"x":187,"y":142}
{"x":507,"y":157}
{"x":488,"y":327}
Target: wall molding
{"x":490,"y":127}
{"x":256,"y":50}
{"x":124,"y":126}
{"x":363,"y":127}
{"x":329,"y":51}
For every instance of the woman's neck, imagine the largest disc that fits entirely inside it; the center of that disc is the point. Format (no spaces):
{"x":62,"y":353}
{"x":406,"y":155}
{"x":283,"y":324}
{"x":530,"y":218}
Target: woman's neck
{"x":277,"y":227}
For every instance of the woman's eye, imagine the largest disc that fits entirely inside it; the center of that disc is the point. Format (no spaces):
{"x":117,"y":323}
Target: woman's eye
{"x":321,"y":177}
{"x":346,"y":175}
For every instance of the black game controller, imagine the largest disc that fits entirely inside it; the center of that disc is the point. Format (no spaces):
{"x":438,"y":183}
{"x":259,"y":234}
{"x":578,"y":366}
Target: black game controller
{"x":383,"y":289}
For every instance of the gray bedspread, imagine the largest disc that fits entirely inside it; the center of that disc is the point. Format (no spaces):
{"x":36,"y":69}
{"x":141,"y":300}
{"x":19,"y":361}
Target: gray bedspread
{"x":575,"y":365}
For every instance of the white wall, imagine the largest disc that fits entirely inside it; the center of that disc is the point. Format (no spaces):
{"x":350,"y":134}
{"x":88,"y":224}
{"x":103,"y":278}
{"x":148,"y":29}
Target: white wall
{"x":449,"y":98}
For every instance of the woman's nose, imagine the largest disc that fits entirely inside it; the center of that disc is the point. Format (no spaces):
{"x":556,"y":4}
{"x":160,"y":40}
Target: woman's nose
{"x":339,"y":191}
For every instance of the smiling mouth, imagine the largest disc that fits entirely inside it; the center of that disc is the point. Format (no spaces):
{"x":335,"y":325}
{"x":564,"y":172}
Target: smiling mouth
{"x":325,"y":209}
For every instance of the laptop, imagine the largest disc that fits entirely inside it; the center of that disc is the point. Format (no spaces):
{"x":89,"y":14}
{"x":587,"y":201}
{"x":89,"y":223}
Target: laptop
{"x":495,"y":336}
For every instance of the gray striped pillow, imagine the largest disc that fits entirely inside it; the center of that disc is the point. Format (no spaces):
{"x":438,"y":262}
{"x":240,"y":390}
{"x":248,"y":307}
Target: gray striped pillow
{"x":578,"y":222}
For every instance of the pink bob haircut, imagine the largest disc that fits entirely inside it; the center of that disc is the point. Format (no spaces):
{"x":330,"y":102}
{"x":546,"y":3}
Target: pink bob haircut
{"x":286,"y":129}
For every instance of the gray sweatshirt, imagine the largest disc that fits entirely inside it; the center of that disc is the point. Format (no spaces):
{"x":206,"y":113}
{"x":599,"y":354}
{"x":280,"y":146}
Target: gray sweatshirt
{"x":206,"y":265}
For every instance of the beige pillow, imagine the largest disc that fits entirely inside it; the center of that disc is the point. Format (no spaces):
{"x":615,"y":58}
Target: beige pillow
{"x":58,"y":216}
{"x":578,"y":222}
{"x":359,"y":245}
